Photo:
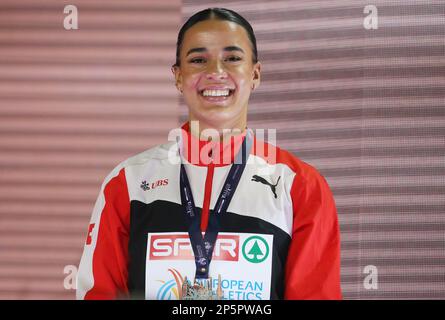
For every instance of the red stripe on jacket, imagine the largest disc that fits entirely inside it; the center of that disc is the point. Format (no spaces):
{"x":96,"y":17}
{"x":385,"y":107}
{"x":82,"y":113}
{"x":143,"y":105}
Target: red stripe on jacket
{"x":110,"y":257}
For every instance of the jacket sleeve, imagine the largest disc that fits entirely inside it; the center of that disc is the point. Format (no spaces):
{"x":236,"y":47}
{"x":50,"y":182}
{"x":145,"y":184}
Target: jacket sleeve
{"x":313,"y":264}
{"x":103,"y":268}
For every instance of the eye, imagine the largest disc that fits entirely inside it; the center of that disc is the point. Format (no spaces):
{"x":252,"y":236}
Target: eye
{"x":233,"y":58}
{"x":197,"y":60}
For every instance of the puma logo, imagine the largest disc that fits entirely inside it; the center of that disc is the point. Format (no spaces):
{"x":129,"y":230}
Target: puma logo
{"x":264,"y":181}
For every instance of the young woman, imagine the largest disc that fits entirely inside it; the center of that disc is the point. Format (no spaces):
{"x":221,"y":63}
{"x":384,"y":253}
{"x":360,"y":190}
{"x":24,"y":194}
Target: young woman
{"x":193,"y":219}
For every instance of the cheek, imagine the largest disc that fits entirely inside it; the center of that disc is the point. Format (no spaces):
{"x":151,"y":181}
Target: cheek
{"x":243,"y":79}
{"x":192,"y":82}
{"x":243,"y":85}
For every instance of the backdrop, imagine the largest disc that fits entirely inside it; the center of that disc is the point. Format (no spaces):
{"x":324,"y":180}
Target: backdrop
{"x":352,"y":87}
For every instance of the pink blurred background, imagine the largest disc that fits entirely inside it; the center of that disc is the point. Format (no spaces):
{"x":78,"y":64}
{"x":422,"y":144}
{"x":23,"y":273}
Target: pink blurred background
{"x":366,"y":107}
{"x":74,"y":103}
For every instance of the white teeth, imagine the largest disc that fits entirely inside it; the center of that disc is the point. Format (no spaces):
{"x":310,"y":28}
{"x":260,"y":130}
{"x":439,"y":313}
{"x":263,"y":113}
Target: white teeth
{"x":215,"y":93}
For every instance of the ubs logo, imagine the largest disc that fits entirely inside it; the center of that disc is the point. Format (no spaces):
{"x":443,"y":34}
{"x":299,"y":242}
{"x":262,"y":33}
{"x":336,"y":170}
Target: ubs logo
{"x":149,"y":186}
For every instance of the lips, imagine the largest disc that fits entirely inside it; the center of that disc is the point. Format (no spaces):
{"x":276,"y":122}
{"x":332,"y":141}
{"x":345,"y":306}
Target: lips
{"x":220,"y":99}
{"x":216,"y":87}
{"x":209,"y":95}
{"x":222,"y":89}
{"x":216,"y":93}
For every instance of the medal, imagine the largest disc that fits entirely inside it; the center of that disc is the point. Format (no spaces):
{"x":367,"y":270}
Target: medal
{"x":202,"y":288}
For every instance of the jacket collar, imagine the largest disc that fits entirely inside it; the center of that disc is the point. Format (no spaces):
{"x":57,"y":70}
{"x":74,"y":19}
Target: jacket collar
{"x":203,"y":153}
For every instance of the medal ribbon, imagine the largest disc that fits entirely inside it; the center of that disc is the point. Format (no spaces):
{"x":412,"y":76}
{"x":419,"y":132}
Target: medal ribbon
{"x":203,"y":246}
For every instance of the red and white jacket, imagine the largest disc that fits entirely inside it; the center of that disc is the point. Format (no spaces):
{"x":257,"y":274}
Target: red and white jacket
{"x":280,"y":233}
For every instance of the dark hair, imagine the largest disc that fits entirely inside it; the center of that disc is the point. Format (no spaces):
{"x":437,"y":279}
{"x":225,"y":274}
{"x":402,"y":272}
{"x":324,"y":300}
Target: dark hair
{"x":219,"y":14}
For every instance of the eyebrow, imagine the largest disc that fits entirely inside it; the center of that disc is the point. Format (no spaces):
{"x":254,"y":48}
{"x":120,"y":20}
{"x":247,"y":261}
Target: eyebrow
{"x":202,"y":49}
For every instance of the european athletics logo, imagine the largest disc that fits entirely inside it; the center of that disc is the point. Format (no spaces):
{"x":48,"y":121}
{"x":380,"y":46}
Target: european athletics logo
{"x":171,"y":287}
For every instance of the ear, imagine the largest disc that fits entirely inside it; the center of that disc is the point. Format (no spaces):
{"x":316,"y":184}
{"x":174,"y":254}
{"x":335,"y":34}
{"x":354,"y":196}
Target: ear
{"x":178,"y":76}
{"x":256,"y":75}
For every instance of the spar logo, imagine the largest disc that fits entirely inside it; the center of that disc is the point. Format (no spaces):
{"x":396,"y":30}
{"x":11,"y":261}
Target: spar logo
{"x":255,"y":249}
{"x":178,"y":247}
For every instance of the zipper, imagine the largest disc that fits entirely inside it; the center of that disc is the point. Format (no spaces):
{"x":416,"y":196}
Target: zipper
{"x":207,"y":197}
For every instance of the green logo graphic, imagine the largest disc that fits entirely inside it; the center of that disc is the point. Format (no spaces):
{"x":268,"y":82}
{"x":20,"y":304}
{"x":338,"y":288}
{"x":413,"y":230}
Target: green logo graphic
{"x":257,"y":248}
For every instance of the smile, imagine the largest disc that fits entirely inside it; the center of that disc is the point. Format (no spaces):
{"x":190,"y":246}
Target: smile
{"x":220,"y":96}
{"x":216,"y":93}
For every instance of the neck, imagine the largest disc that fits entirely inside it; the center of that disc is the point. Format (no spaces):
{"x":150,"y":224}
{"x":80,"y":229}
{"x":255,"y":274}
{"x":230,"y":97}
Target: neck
{"x":217,"y":131}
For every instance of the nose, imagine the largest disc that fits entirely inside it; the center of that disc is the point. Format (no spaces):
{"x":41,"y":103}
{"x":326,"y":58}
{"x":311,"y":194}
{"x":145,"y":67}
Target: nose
{"x":216,"y":71}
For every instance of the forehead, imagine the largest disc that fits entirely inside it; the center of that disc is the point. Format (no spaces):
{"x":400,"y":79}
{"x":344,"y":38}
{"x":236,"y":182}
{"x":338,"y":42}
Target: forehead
{"x":215,"y":34}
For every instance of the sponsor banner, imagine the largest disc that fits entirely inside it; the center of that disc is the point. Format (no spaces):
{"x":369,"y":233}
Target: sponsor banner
{"x":244,"y":261}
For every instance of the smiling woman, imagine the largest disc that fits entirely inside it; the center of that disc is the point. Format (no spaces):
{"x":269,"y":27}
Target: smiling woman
{"x":254,"y":227}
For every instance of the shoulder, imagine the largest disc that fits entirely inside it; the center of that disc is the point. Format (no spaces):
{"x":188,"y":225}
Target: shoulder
{"x":275,"y":155}
{"x":156,"y":153}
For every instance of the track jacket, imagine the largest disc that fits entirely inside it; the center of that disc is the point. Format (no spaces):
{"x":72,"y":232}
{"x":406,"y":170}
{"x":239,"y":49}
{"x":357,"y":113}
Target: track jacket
{"x":279,"y":238}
